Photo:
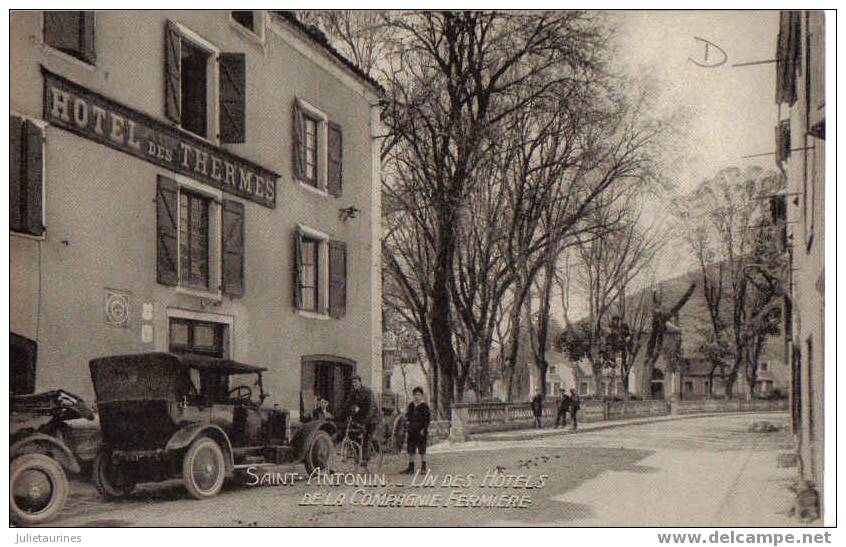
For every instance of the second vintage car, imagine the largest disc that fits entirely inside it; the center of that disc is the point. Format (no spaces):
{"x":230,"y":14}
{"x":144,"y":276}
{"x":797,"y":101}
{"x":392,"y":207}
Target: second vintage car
{"x":201,"y":419}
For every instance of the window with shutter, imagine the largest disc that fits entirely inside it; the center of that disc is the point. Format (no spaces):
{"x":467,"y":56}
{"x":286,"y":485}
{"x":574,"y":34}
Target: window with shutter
{"x":337,"y":279}
{"x":71,"y":32}
{"x":317,"y":157}
{"x":335,"y":160}
{"x":232,"y":94}
{"x":26,"y":174}
{"x":233,"y":248}
{"x":193,"y":68}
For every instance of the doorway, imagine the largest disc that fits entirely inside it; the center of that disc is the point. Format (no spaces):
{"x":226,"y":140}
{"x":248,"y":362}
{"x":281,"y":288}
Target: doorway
{"x":327,"y":378}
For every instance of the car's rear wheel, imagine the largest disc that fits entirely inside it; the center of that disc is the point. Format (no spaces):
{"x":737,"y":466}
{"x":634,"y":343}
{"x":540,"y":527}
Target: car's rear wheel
{"x":203,"y":468}
{"x":320,"y":453}
{"x":38,"y":489}
{"x":112,"y":479}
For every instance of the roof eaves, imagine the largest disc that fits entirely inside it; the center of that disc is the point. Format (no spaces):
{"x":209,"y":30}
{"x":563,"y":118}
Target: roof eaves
{"x":319,"y":38}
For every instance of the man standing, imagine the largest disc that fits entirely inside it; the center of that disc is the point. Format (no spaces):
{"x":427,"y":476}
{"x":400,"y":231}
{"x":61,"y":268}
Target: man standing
{"x":418,"y":418}
{"x":537,"y":408}
{"x":575,"y":405}
{"x":563,"y":409}
{"x":361,"y":406}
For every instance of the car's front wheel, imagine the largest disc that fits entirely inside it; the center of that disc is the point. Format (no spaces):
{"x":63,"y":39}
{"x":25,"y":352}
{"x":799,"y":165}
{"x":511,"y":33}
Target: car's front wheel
{"x":38,"y":489}
{"x":112,"y":479}
{"x":320,"y":453}
{"x":203,"y":468}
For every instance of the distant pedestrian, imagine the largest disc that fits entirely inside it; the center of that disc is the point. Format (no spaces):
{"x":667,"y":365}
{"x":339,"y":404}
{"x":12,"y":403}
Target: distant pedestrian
{"x":575,"y":405}
{"x":563,"y":409}
{"x":537,"y":408}
{"x":418,"y":418}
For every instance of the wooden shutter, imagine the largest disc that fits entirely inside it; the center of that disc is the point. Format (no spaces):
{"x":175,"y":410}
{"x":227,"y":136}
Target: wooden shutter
{"x":173,"y":66}
{"x":298,"y":142}
{"x":16,"y":171}
{"x":298,"y":269}
{"x":89,"y":50}
{"x":233,"y":248}
{"x":233,"y":93}
{"x":337,"y":279}
{"x":34,"y":179}
{"x":335,"y":157}
{"x":167,"y":246}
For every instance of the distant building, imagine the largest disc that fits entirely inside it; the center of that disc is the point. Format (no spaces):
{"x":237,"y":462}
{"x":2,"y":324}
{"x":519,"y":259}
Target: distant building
{"x":800,"y":153}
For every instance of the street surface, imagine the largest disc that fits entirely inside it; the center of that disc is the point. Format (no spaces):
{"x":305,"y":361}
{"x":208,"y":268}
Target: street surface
{"x":692,"y":471}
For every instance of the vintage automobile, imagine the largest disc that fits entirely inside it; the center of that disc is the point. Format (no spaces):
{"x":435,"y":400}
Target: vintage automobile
{"x":167,"y":415}
{"x":41,"y":451}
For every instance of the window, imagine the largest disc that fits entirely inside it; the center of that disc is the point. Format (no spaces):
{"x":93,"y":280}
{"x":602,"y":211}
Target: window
{"x":688,"y":387}
{"x":194,"y":240}
{"x":26,"y":176}
{"x":246,"y":19}
{"x":205,"y":90}
{"x":200,"y":337}
{"x":310,"y":174}
{"x":310,"y":282}
{"x":200,"y":244}
{"x":320,"y":273}
{"x":250,"y":23}
{"x":71,"y":32}
{"x":318,"y":149}
{"x":194,"y":88}
{"x":583,"y":388}
{"x":762,"y":367}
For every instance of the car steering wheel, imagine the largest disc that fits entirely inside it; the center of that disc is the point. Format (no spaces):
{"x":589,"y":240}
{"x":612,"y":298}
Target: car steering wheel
{"x":241,"y":393}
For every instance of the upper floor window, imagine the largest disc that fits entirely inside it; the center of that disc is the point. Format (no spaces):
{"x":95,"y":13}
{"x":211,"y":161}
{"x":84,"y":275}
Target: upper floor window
{"x":320,"y":273}
{"x":205,"y":89}
{"x":763,"y":367}
{"x":311,"y":125}
{"x":71,"y":32}
{"x":194,"y":239}
{"x":310,"y":281}
{"x":200,"y":244}
{"x":318,"y":149}
{"x":250,"y":22}
{"x":245,"y":18}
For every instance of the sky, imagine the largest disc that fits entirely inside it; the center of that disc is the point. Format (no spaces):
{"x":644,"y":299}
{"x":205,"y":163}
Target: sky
{"x":730,"y":111}
{"x":727,"y":112}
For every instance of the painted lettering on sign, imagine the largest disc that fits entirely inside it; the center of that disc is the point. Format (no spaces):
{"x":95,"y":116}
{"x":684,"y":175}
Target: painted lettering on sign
{"x":95,"y":117}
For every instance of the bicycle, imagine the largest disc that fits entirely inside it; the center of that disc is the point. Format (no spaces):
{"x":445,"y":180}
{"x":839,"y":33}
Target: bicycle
{"x":349,"y":452}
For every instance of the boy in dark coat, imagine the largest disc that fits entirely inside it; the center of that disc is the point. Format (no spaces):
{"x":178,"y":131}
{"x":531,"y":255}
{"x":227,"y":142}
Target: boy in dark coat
{"x":418,"y":418}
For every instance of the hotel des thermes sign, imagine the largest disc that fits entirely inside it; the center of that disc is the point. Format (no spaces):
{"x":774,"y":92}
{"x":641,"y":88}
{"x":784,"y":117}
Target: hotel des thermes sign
{"x":95,"y":117}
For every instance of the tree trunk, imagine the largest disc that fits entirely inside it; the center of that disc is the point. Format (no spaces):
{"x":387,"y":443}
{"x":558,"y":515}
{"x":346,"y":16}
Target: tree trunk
{"x":441,"y":317}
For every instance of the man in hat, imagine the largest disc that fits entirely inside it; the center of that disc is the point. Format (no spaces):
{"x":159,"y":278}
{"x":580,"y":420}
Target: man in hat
{"x":563,"y":409}
{"x":362,"y":407}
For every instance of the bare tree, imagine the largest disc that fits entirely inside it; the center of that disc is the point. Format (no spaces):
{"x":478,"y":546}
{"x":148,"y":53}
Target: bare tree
{"x":610,"y":262}
{"x":729,"y":229}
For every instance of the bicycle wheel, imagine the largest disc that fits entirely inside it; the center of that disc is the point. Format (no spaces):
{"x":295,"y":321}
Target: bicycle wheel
{"x":347,"y":457}
{"x":376,"y":455}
